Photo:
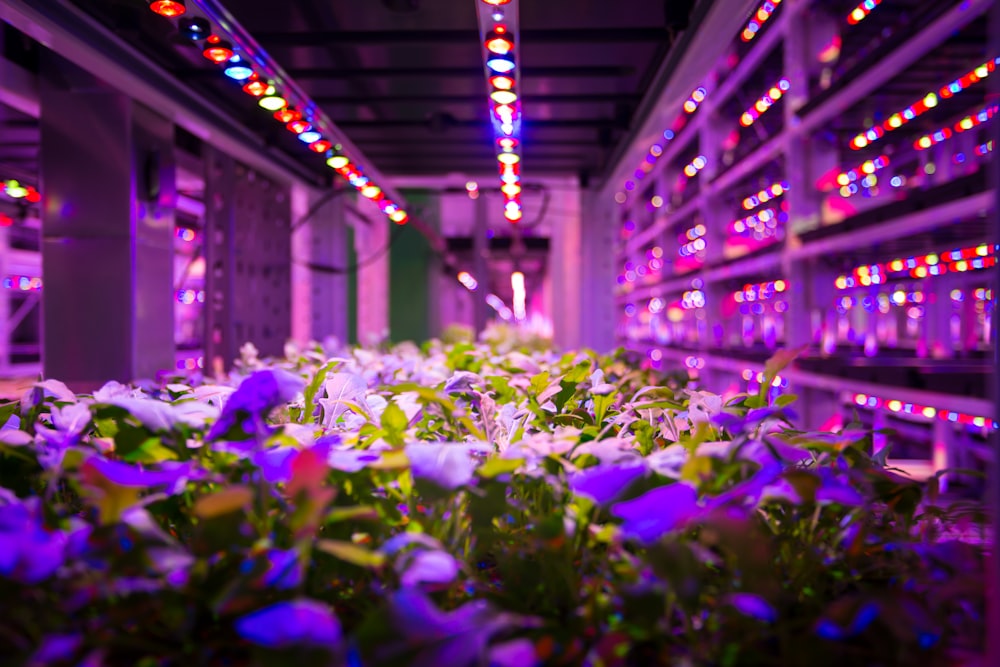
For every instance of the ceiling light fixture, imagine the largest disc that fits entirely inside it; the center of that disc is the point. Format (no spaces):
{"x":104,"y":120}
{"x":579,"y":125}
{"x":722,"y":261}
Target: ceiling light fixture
{"x":218,"y":50}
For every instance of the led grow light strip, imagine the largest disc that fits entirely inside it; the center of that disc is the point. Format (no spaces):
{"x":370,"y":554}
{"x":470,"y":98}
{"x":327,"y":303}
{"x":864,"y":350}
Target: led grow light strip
{"x":765,"y":102}
{"x":754,"y":223}
{"x":750,"y":376}
{"x":866,"y":168}
{"x":760,"y":291}
{"x":767,"y":194}
{"x":921,"y":106}
{"x":926,"y":411}
{"x":861,"y":12}
{"x":23,"y":283}
{"x":692,"y":168}
{"x":260,"y":77}
{"x":17,"y":190}
{"x":498,"y":24}
{"x":760,"y":17}
{"x":693,"y":241}
{"x":945,"y":133}
{"x":961,"y":260}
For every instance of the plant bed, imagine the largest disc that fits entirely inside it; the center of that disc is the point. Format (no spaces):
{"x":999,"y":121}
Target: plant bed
{"x":457,"y":505}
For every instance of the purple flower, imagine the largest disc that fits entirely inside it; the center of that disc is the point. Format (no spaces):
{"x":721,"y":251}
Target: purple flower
{"x":172,"y":474}
{"x":753,"y":606}
{"x":29,"y":552}
{"x":449,"y":465}
{"x":254,"y":399}
{"x":291,"y":623}
{"x":428,"y":568}
{"x":275,"y":463}
{"x":604,"y":483}
{"x":657,"y":512}
{"x":284,"y":569}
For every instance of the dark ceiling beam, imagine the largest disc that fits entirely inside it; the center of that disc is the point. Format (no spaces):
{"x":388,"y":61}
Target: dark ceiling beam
{"x":324,"y":38}
{"x":583,"y":98}
{"x":304,"y":73}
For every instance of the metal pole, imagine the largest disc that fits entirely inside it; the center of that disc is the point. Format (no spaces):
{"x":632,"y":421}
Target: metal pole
{"x":481,"y":269}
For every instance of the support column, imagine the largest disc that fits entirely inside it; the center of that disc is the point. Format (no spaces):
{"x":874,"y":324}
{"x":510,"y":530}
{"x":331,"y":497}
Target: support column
{"x":107,"y":231}
{"x":597,"y":328}
{"x":320,"y":270}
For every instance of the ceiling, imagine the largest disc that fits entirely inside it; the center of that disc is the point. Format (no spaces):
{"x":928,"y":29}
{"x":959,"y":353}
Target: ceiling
{"x":404,"y":79}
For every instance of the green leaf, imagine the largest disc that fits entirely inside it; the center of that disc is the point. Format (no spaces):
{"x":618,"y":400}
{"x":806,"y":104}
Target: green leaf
{"x":313,"y":388}
{"x":785,"y":399}
{"x":351,"y":553}
{"x":223,"y":502}
{"x":497,"y":466}
{"x":151,"y":451}
{"x":394,"y":424}
{"x":357,"y":513}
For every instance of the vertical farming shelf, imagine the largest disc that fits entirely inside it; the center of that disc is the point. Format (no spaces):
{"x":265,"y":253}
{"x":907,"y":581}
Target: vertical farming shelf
{"x":825,"y":187}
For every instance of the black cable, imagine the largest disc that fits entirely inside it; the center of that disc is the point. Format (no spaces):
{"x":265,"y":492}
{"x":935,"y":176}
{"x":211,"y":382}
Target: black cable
{"x":337,"y":270}
{"x":323,"y":201}
{"x":541,"y":213}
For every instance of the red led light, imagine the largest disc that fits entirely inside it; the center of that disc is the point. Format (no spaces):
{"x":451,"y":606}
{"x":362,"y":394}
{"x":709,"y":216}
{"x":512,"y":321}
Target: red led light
{"x":33,"y":196}
{"x":218,"y":52}
{"x":321,"y":146}
{"x":498,"y":42}
{"x":298,"y":126}
{"x":255,"y":88}
{"x":168,"y":8}
{"x":287,"y":115}
{"x":497,"y":3}
{"x":507,"y":142}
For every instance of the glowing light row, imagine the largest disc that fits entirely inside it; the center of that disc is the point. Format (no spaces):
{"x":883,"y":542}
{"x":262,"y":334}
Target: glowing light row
{"x":945,"y":133}
{"x":16,"y":190}
{"x":866,"y":168}
{"x":767,"y":194}
{"x":765,"y":102}
{"x":758,"y":222}
{"x":23,"y":283}
{"x":691,"y":105}
{"x":693,"y":241}
{"x":520,"y":295}
{"x":694,"y":166}
{"x":497,"y":304}
{"x":355,"y":176}
{"x":960,"y":260}
{"x":304,"y":124}
{"x":468,"y":281}
{"x":760,"y":17}
{"x":926,"y":411}
{"x":983,"y":149}
{"x":758,"y":377}
{"x":696,"y":98}
{"x":760,"y":291}
{"x":185,"y":234}
{"x":861,"y":12}
{"x":923,"y":105}
{"x":189,"y":296}
{"x":190,"y":363}
{"x":692,"y":299}
{"x":499,"y":21}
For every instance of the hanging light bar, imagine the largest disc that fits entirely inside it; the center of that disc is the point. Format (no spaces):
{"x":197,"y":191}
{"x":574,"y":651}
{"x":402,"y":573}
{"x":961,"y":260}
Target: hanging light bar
{"x":760,"y":291}
{"x":861,"y":12}
{"x":960,"y":260}
{"x":945,"y":133}
{"x":765,"y":102}
{"x":224,"y":43}
{"x":498,"y":25}
{"x":926,"y":411}
{"x":760,"y":17}
{"x":767,"y":194}
{"x":923,"y":105}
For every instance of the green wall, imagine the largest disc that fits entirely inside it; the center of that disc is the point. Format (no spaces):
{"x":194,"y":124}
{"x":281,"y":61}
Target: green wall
{"x":411,"y":262}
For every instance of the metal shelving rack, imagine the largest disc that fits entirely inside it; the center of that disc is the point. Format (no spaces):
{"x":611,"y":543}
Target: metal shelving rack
{"x":716,"y":281}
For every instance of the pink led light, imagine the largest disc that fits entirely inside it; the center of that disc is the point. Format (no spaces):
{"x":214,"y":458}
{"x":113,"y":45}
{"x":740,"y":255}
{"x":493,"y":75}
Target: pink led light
{"x":921,"y":106}
{"x":765,"y":102}
{"x":760,"y":17}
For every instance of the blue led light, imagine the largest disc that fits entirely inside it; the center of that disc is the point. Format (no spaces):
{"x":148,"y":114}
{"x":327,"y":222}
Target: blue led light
{"x":310,"y":136}
{"x":500,"y":64}
{"x":238,"y":72}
